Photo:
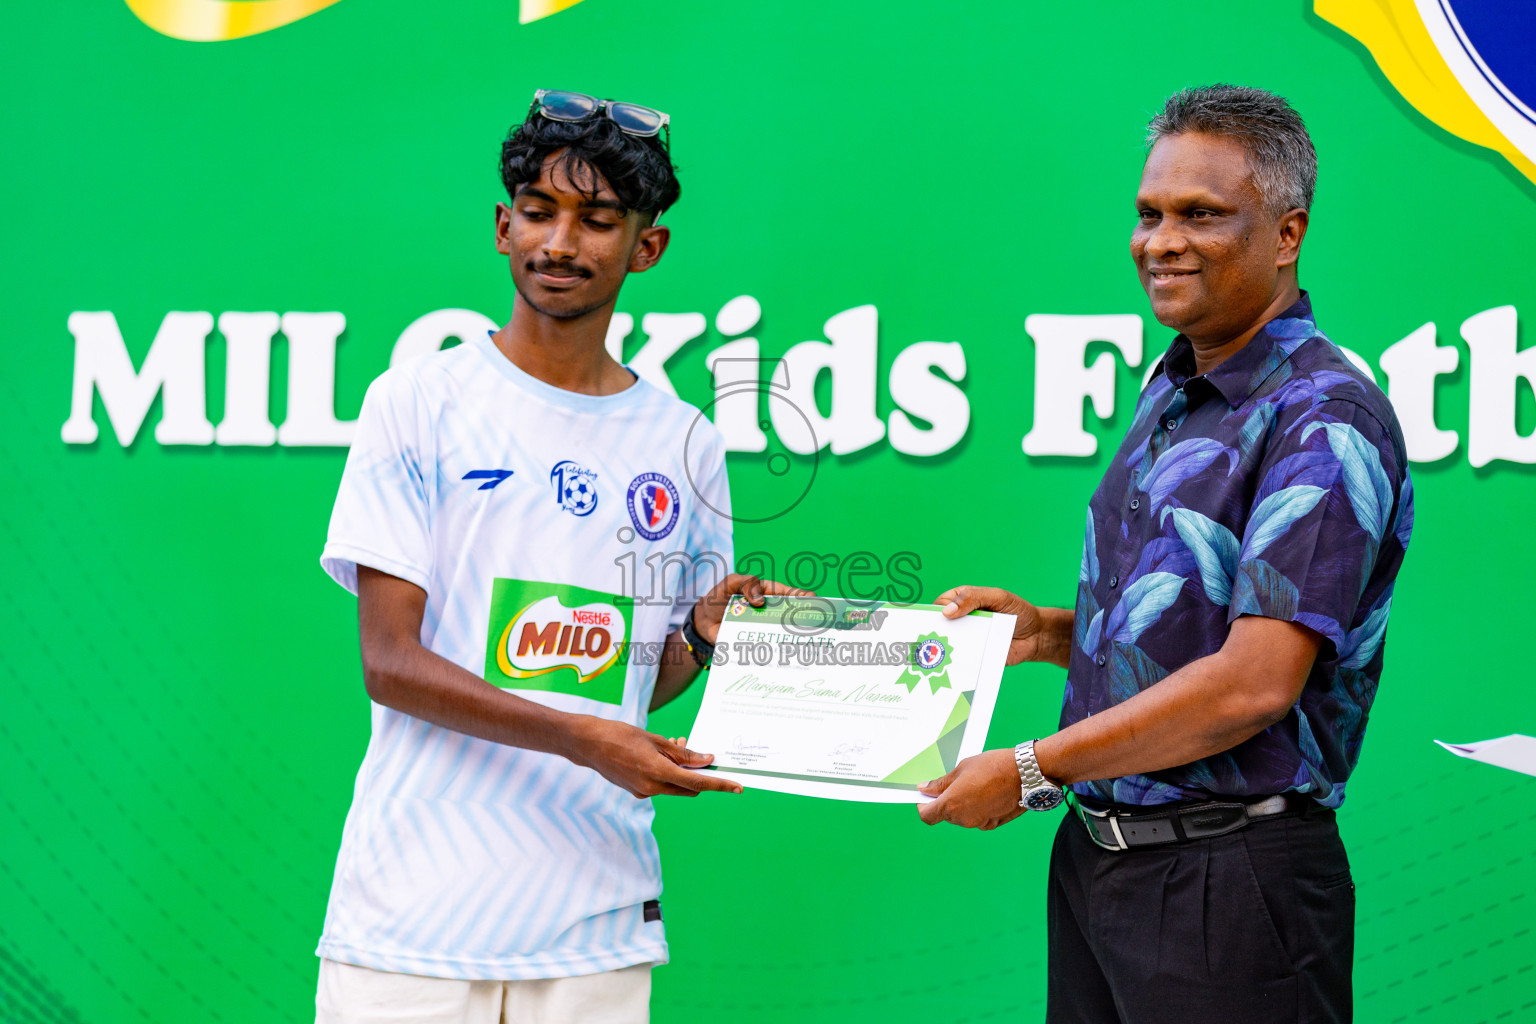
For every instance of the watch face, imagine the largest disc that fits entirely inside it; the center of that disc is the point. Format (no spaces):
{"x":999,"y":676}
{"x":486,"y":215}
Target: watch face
{"x":1043,"y":799}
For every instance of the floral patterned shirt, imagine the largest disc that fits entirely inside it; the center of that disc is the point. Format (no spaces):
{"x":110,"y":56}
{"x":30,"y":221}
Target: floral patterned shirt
{"x":1276,"y":484}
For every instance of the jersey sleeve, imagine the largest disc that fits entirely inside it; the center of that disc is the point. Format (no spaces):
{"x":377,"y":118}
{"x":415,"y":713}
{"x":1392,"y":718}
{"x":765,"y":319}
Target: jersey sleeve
{"x":711,"y":552}
{"x":1330,"y":506}
{"x":382,"y":516}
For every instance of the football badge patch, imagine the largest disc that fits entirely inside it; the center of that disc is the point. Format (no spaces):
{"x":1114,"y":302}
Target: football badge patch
{"x":575,"y":487}
{"x":653,"y":505}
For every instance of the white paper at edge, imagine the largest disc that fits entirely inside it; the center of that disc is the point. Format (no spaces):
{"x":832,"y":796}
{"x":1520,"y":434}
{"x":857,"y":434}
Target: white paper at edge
{"x":983,"y":702}
{"x":1516,"y":752}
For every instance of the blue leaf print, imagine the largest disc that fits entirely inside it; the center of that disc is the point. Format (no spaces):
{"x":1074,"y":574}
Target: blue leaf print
{"x":1358,"y":687}
{"x":1178,"y":464}
{"x":1323,"y":624}
{"x":1131,"y":671}
{"x":1164,"y":554}
{"x":1402,"y":529}
{"x":1261,"y":589}
{"x":1325,"y":792}
{"x":1332,"y":382}
{"x":1144,"y":601}
{"x":1306,"y":742}
{"x":1089,"y":571}
{"x":1347,"y":723}
{"x":1144,"y":792}
{"x":1320,"y":469}
{"x":1361,"y":643}
{"x":1215,"y":550}
{"x":1365,"y":482}
{"x":1256,"y":425}
{"x":1083,"y":615}
{"x":1229,"y":777}
{"x":1291,"y":328}
{"x":1199,"y":774}
{"x":1313,"y":388}
{"x":1150,"y":399}
{"x":1276,"y":514}
{"x":1093,"y":634}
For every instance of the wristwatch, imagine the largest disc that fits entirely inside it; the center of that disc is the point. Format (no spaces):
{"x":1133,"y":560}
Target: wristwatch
{"x":1036,"y":792}
{"x":702,"y":650}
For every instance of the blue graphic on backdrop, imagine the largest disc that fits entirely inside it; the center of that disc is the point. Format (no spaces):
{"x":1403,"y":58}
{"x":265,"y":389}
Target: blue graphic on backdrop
{"x":1464,"y":64}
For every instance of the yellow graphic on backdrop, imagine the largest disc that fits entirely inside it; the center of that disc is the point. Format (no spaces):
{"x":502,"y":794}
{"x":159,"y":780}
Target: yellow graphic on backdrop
{"x":1406,"y":50}
{"x":213,"y":21}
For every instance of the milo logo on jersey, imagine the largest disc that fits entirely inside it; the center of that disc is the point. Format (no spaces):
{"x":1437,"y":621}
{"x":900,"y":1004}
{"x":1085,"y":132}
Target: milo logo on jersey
{"x":558,"y":638}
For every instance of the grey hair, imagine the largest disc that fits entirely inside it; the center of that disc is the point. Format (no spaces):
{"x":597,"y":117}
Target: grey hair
{"x":1280,"y":152}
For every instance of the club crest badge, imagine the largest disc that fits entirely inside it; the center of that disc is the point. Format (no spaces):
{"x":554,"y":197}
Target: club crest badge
{"x":653,"y":505}
{"x":575,"y":488}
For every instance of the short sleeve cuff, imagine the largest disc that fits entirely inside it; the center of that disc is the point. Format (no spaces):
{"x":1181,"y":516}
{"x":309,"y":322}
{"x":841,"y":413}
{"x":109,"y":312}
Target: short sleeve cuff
{"x":340,"y":562}
{"x":1261,"y":589}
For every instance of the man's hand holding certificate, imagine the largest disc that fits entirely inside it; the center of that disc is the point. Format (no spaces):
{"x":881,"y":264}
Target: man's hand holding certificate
{"x":853,"y":700}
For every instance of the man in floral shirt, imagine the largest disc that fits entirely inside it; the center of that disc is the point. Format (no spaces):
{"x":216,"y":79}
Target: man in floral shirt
{"x":1231,"y":613}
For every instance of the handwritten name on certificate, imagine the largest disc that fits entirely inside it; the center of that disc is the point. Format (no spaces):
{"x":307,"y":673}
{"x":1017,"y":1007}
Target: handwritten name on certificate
{"x":851,"y":700}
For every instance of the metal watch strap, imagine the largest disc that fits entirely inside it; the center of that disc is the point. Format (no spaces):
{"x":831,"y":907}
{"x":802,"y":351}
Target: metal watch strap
{"x":702,"y":650}
{"x":1030,"y":776}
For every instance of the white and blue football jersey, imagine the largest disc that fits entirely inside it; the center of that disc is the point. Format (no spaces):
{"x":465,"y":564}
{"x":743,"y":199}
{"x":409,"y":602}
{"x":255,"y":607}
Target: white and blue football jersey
{"x":559,"y":537}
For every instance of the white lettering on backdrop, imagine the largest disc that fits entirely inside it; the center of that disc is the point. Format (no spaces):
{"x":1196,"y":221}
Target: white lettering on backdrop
{"x":931,"y":413}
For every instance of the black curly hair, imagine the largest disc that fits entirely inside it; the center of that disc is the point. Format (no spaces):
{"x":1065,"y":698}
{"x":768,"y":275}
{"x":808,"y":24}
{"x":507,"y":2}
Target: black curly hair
{"x":593,"y":151}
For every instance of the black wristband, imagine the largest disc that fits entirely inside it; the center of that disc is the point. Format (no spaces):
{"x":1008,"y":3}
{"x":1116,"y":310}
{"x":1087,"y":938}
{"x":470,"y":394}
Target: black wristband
{"x":702,"y":650}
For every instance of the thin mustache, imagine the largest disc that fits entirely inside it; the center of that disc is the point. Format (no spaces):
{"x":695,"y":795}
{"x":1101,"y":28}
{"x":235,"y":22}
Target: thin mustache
{"x":560,"y":268}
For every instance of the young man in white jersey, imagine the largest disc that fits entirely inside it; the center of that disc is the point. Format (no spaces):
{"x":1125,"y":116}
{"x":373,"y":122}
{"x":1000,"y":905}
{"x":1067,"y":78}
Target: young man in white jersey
{"x":497,"y":864}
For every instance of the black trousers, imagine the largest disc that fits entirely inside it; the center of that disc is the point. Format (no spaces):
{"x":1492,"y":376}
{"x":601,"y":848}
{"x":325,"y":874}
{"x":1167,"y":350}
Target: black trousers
{"x":1256,"y":926}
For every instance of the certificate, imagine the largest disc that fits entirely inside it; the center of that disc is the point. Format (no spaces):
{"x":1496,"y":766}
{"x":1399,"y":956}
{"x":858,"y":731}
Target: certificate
{"x":852,"y":700}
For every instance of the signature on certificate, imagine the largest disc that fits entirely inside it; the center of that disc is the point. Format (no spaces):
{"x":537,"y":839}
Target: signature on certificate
{"x":740,"y":746}
{"x":850,"y":749}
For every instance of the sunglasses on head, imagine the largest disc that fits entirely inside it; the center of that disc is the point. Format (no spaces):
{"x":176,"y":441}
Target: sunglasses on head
{"x":632,"y":118}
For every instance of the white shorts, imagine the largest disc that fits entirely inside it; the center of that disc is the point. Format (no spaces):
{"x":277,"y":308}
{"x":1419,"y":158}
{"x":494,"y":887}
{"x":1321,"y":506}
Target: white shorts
{"x":361,"y":995}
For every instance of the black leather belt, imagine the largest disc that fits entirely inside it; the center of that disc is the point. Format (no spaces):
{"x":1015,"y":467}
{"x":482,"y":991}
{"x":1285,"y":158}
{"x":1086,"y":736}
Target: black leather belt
{"x":1115,"y":828}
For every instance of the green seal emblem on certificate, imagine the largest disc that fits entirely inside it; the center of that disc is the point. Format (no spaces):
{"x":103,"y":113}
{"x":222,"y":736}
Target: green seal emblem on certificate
{"x":930,"y":661}
{"x":851,"y":700}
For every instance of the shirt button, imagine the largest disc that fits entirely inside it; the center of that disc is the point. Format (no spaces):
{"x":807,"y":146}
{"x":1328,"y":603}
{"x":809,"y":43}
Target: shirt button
{"x":1114,"y":581}
{"x":1171,"y":424}
{"x":1135,"y":504}
{"x":1101,"y":660}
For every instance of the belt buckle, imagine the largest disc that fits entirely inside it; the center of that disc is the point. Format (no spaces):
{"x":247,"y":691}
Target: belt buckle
{"x":1093,"y":833}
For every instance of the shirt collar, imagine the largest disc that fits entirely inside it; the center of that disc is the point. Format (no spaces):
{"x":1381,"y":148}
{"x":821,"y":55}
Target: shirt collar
{"x":1240,"y":374}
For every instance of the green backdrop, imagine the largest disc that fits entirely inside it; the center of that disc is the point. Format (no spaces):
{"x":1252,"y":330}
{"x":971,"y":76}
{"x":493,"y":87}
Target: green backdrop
{"x":183,"y":713}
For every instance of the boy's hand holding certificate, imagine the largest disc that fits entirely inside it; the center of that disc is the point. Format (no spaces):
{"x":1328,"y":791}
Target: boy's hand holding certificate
{"x":854,"y":700}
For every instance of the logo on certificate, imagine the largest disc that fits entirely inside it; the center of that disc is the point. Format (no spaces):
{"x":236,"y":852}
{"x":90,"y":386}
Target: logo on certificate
{"x":558,"y":638}
{"x":652,"y":505}
{"x":931,"y":655}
